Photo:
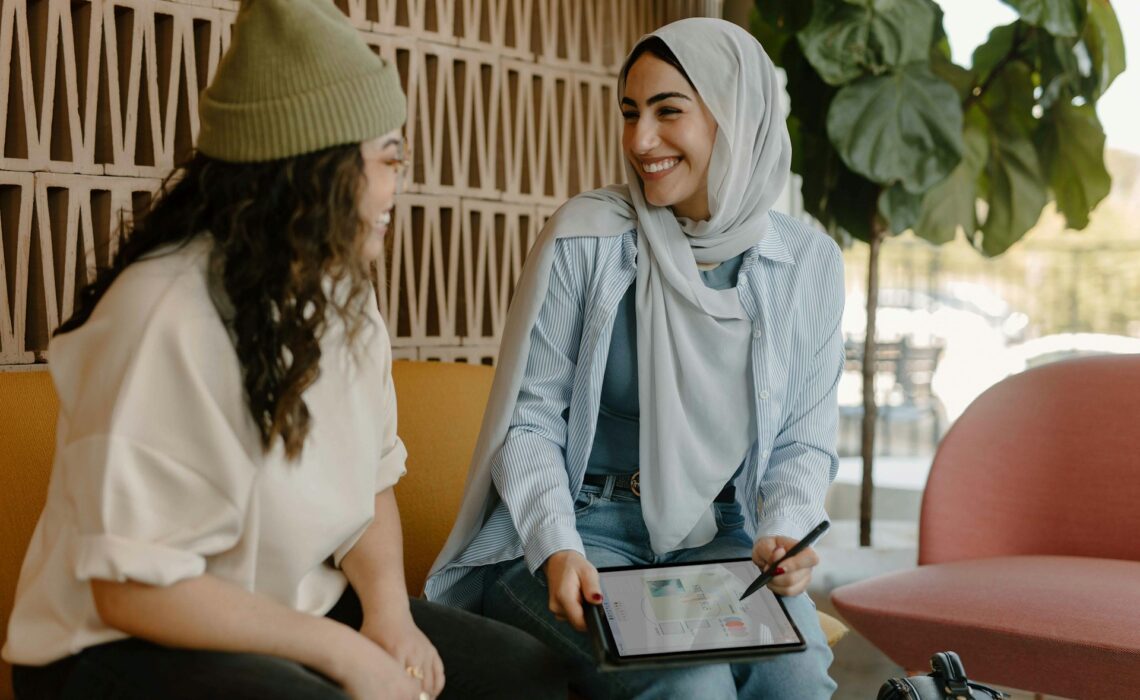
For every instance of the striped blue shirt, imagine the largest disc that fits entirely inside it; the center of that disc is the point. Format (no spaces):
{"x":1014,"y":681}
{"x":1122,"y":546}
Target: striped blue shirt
{"x":791,"y":287}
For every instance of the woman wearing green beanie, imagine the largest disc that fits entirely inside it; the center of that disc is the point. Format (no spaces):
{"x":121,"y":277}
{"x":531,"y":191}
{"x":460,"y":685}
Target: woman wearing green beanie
{"x":220,"y":521}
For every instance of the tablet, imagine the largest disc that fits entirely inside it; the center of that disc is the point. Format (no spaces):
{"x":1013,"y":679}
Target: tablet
{"x":687,"y":614}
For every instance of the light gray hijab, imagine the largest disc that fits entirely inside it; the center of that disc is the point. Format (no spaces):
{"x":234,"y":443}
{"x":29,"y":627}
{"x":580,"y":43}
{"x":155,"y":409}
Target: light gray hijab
{"x":695,"y":388}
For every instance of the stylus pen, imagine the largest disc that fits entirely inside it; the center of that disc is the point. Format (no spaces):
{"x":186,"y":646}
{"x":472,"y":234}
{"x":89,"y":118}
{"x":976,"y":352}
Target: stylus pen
{"x":763,"y":579}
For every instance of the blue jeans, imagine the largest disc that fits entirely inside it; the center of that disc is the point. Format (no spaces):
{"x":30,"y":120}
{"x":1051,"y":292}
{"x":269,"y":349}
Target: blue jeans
{"x":614,"y":534}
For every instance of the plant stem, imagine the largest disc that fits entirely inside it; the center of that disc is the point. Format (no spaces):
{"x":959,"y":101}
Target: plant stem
{"x":870,"y":410}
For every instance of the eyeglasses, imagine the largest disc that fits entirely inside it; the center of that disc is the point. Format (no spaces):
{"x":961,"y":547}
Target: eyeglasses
{"x":403,"y":160}
{"x":376,"y":153}
{"x":401,"y":164}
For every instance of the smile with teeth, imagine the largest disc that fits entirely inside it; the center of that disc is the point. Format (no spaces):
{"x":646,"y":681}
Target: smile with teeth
{"x":660,"y":165}
{"x":383,"y":220}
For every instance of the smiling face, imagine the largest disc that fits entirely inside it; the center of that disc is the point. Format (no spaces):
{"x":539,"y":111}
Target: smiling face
{"x":383,"y":162}
{"x":668,"y":137}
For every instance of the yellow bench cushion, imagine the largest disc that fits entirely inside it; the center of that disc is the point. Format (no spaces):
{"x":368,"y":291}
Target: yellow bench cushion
{"x":28,"y":409}
{"x":440,"y":411}
{"x":441,"y":407}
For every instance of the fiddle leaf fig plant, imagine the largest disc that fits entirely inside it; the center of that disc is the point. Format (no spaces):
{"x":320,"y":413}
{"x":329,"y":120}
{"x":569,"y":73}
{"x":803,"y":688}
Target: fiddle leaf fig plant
{"x":889,"y":134}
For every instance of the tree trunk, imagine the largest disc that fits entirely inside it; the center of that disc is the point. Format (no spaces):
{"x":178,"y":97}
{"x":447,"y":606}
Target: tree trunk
{"x":870,"y":410}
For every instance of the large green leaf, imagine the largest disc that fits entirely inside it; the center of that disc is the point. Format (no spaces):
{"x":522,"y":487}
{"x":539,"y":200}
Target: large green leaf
{"x":899,"y":208}
{"x":1058,"y":17}
{"x":940,"y":41}
{"x":1105,"y":44}
{"x":836,"y":197}
{"x":774,"y":22}
{"x":1014,"y":189}
{"x":903,"y":127}
{"x":952,"y":203}
{"x":1011,"y":44}
{"x":851,"y":203}
{"x":952,"y":73}
{"x":1071,"y":145}
{"x":815,"y":161}
{"x":1061,"y":74}
{"x":994,"y":49}
{"x":1009,"y":100}
{"x":810,"y":98}
{"x":847,"y":39}
{"x":1081,"y":66}
{"x":1064,"y":70}
{"x":839,"y":199}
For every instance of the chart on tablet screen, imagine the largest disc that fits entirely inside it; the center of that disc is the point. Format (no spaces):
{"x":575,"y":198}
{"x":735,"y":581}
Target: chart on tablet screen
{"x":694,"y":608}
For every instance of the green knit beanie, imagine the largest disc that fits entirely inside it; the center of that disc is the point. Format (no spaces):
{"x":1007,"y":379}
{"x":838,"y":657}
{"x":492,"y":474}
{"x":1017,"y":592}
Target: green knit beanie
{"x":297,"y":78}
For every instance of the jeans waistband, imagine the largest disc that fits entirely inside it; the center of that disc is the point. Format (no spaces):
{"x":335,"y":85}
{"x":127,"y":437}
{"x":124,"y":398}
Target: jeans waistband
{"x":629,"y":485}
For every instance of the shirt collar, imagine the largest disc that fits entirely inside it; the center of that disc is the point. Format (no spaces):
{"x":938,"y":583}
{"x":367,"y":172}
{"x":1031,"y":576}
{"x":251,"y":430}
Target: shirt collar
{"x":772,"y":246}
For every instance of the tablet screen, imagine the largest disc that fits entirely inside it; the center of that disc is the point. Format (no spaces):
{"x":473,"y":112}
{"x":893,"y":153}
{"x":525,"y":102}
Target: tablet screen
{"x":691,"y":607}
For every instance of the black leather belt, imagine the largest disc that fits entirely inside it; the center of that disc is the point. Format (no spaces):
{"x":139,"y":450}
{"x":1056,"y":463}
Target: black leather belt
{"x":632,"y":483}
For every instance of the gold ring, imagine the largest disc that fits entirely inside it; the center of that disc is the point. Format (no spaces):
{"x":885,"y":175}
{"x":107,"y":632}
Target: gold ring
{"x":424,"y":695}
{"x":415,"y":672}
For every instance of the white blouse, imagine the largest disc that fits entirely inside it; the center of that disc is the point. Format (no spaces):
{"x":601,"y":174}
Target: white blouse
{"x":159,"y":474}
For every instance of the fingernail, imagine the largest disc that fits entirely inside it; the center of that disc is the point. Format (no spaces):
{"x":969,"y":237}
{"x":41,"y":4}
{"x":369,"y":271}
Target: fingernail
{"x":597,"y":597}
{"x":779,"y":571}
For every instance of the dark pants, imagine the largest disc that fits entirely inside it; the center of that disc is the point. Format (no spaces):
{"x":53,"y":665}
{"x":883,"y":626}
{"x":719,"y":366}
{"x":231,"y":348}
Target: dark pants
{"x":482,"y":659}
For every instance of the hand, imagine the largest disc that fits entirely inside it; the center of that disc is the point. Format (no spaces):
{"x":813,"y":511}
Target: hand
{"x":570,"y":577}
{"x":372,"y":674}
{"x":796,"y":571}
{"x":398,"y":635}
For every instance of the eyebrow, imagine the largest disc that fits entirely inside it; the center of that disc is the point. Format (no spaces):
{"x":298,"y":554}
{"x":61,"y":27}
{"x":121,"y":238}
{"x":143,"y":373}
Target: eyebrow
{"x":377,"y":149}
{"x":659,"y":97}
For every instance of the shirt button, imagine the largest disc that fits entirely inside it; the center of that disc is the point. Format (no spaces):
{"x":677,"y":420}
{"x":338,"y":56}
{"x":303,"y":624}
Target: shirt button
{"x":756,"y":333}
{"x":764,"y":394}
{"x":766,"y":453}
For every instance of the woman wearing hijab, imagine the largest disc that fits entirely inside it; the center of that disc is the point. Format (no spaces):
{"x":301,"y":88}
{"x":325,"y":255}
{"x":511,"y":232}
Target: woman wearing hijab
{"x":666,"y":386}
{"x":220,"y":521}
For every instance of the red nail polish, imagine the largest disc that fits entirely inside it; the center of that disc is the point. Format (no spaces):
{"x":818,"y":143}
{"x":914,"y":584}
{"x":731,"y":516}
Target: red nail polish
{"x":779,"y":571}
{"x":597,"y":597}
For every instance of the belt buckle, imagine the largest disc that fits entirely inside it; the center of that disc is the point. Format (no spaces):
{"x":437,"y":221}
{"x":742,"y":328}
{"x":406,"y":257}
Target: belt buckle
{"x":635,"y":483}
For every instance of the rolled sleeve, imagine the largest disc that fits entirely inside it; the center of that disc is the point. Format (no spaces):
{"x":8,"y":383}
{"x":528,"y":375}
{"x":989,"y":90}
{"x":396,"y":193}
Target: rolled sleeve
{"x":392,"y":465}
{"x":113,"y":558}
{"x":142,"y":515}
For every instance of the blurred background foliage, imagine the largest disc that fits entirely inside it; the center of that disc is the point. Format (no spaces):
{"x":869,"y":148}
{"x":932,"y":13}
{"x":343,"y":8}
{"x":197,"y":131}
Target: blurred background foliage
{"x":889,"y":135}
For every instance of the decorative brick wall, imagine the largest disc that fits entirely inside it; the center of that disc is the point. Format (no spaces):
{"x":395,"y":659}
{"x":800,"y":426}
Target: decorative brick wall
{"x":511,"y":109}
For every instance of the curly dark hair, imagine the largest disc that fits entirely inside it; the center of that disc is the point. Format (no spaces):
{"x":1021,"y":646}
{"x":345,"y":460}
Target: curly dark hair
{"x":280,"y":230}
